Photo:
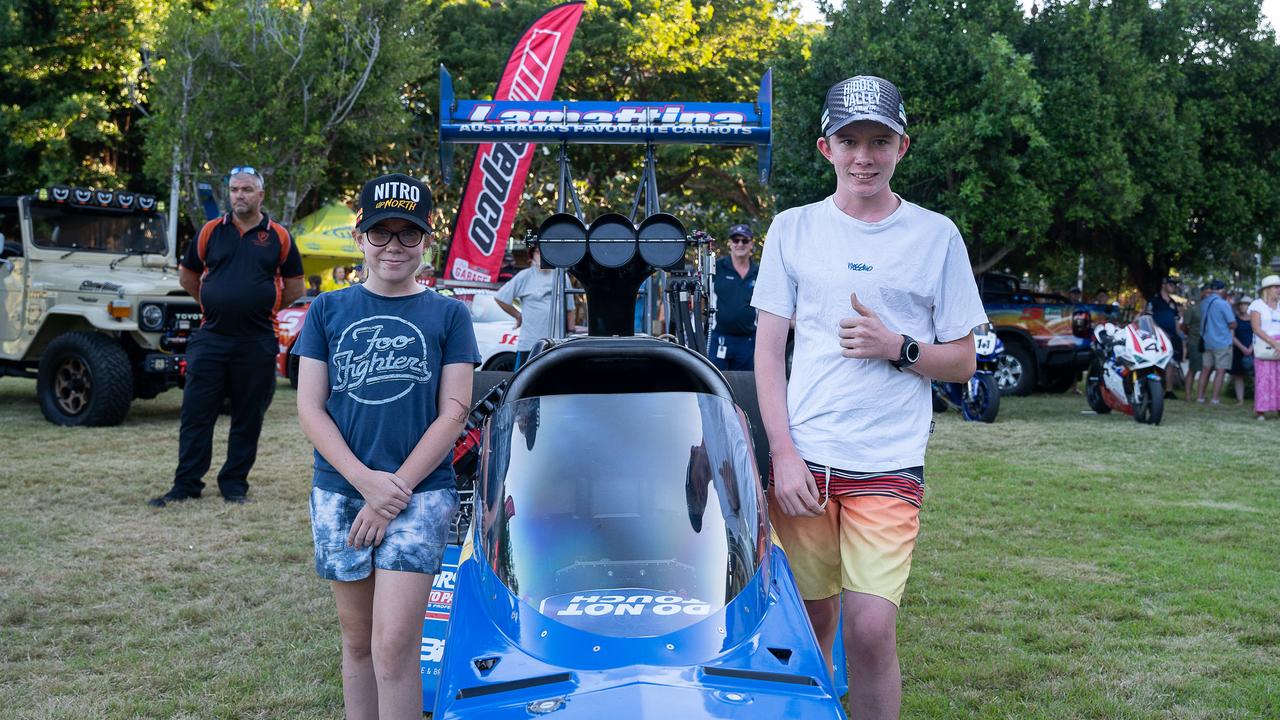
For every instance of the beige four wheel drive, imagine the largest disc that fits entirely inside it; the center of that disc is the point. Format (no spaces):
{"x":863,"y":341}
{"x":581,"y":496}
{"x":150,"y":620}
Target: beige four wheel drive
{"x":90,"y":303}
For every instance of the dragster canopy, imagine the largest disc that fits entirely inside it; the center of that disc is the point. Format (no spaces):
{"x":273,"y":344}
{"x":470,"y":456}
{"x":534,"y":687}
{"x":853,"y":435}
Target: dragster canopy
{"x":648,"y":498}
{"x":588,"y":122}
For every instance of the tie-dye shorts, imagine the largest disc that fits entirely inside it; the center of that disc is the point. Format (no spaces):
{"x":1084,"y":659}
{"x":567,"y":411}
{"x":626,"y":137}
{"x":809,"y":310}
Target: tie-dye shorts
{"x":414,"y":541}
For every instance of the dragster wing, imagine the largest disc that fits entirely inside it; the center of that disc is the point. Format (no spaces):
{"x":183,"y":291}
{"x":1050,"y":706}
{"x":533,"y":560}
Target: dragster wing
{"x":587,"y":122}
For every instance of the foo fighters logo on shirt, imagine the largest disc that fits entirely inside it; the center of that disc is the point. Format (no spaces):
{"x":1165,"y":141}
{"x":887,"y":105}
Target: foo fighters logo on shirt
{"x":378,"y":359}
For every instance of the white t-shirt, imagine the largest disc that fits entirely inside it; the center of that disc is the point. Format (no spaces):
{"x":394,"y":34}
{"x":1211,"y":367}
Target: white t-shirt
{"x":913,"y":270}
{"x":533,"y":288}
{"x":1270,"y":318}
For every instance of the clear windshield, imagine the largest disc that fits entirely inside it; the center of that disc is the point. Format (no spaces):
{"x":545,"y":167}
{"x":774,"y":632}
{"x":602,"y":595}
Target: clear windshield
{"x":61,"y":227}
{"x":625,"y":515}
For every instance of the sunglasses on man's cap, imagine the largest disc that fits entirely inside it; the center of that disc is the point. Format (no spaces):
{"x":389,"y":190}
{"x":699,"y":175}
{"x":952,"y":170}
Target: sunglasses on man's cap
{"x":243,"y":170}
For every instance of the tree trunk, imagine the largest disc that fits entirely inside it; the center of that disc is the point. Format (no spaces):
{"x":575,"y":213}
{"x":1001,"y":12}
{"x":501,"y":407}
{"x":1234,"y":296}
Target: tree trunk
{"x":990,"y":262}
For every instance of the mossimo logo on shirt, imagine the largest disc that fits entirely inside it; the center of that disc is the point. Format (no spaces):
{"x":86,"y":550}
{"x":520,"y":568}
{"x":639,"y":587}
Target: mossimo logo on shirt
{"x":860,"y":267}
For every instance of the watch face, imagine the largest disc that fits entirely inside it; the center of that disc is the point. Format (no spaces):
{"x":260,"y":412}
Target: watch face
{"x":911,"y":351}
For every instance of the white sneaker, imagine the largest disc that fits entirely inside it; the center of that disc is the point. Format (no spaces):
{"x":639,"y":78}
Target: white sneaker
{"x":1215,"y":401}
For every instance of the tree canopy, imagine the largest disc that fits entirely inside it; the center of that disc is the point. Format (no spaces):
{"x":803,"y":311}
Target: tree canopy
{"x":278,"y":84}
{"x":973,"y":112}
{"x":72,"y":89}
{"x":1142,"y":136}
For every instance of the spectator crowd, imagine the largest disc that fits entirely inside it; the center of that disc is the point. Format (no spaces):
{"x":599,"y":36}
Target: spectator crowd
{"x":1221,"y":334}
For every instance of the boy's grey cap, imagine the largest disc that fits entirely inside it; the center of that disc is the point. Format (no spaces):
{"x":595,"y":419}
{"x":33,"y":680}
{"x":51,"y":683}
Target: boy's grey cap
{"x":864,"y":97}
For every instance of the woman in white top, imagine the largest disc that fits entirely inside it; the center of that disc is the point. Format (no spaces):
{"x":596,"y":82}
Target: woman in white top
{"x":1264,"y":315}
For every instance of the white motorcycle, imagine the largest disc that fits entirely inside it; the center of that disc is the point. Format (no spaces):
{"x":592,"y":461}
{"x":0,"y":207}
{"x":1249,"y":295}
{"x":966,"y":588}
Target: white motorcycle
{"x":1127,"y":372}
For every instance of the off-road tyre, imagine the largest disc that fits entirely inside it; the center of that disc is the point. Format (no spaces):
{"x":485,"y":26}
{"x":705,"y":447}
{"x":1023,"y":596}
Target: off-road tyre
{"x":85,"y":378}
{"x":1016,"y":370}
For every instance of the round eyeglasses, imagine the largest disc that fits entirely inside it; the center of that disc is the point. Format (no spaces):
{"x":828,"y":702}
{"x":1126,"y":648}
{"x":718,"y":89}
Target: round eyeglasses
{"x":408,"y":237}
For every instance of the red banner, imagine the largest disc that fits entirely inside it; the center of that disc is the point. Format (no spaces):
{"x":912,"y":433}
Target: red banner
{"x":496,"y":181}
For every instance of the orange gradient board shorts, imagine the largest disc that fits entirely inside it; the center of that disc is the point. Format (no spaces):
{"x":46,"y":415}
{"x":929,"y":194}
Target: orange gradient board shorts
{"x":863,"y":540}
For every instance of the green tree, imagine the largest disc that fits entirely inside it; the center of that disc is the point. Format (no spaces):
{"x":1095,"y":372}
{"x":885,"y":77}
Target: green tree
{"x":1143,"y":137}
{"x":279,"y":84}
{"x":973,"y":109}
{"x":1163,"y":121}
{"x":72,"y":89}
{"x":1233,"y":89}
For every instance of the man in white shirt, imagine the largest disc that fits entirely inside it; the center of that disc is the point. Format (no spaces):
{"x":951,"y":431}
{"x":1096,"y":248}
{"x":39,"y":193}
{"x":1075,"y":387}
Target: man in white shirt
{"x":534,"y":289}
{"x":884,"y":299}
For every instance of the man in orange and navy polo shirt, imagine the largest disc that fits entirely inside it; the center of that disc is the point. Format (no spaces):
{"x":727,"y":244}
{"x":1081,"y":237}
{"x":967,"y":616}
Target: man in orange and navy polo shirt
{"x":242,"y":268}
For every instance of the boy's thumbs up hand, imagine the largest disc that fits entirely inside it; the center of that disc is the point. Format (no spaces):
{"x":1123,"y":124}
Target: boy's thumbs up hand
{"x":863,"y":335}
{"x":860,"y":308}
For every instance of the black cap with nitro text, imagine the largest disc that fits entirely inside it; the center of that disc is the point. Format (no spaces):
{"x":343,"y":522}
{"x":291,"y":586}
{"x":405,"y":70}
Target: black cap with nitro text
{"x":394,"y":196}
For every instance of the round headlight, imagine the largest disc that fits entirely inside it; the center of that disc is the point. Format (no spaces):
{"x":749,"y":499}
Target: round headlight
{"x":151,"y":318}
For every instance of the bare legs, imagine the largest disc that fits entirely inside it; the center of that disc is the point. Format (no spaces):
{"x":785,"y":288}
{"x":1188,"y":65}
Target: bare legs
{"x":381,"y":619}
{"x":1218,"y":375}
{"x":871,"y":651}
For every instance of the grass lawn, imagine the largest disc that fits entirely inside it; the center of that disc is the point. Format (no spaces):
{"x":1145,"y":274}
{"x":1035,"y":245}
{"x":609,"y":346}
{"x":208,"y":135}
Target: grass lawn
{"x":1070,"y":566}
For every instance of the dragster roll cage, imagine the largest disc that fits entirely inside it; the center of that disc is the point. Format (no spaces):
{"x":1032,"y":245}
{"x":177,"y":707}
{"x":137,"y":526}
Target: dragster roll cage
{"x":599,"y":122}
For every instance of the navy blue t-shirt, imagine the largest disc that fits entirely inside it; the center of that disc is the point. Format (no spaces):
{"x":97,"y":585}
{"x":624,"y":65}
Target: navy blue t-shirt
{"x":384,"y":356}
{"x":734,"y":314}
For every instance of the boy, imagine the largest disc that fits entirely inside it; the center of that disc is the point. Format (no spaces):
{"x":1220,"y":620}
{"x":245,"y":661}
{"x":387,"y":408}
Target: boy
{"x":384,"y":386}
{"x":884,"y":299}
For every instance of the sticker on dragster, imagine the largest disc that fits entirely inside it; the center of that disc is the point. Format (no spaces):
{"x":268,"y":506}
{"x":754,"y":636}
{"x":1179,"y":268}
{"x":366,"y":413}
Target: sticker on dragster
{"x":643,"y":611}
{"x":482,"y":121}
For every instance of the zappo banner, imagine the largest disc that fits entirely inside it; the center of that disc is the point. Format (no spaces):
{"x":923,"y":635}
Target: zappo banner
{"x":491,"y":199}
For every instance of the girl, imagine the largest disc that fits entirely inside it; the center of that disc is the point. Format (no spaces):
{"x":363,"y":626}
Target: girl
{"x":384,"y":385}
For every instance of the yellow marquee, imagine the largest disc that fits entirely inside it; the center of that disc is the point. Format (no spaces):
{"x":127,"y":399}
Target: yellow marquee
{"x":324,"y":239}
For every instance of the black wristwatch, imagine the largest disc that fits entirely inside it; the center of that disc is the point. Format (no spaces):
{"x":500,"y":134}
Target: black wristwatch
{"x":908,"y":355}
